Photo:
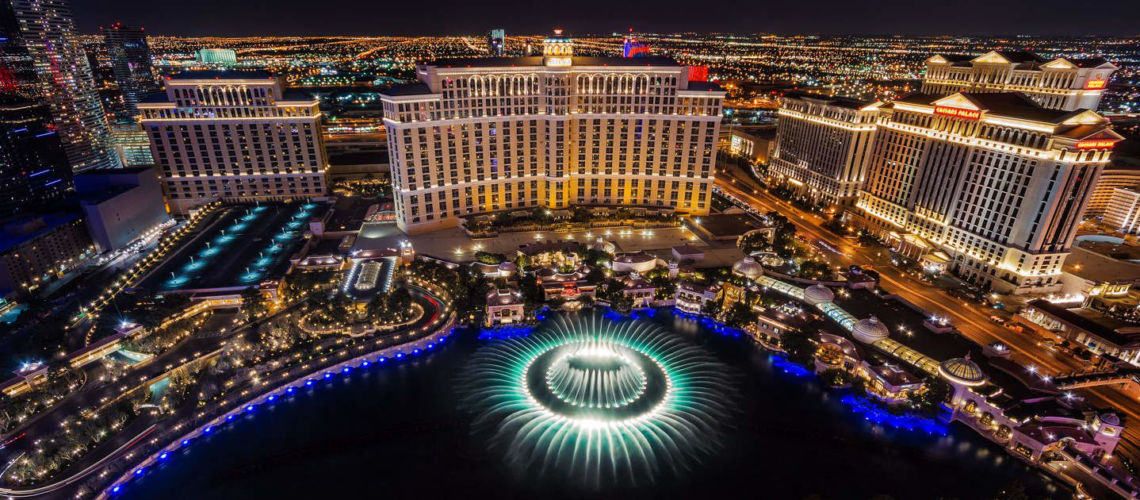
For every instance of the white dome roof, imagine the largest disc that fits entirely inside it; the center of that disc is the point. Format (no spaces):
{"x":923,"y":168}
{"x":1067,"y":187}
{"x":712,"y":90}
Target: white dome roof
{"x":869,"y":330}
{"x":748,"y":267}
{"x":818,"y":294}
{"x":962,"y":371}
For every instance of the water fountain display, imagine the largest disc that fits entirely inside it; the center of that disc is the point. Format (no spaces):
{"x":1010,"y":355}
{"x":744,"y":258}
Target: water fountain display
{"x":599,"y":401}
{"x":201,"y":259}
{"x":290,"y":232}
{"x":231,"y":257}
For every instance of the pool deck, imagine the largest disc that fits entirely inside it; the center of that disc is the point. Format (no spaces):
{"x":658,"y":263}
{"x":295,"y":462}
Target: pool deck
{"x":248,"y":245}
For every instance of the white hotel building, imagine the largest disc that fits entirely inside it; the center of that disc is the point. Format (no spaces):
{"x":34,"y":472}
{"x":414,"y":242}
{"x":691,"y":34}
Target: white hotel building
{"x":822,"y":146}
{"x":996,"y":181}
{"x":234,"y":136}
{"x":1123,"y":211}
{"x":491,"y":134}
{"x":1065,"y":84}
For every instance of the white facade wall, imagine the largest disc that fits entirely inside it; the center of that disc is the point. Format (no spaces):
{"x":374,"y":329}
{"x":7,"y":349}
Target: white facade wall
{"x":492,"y":138}
{"x":1123,"y":212}
{"x":1003,"y":195}
{"x":822,"y":147}
{"x":1057,"y":84}
{"x":235,"y":139}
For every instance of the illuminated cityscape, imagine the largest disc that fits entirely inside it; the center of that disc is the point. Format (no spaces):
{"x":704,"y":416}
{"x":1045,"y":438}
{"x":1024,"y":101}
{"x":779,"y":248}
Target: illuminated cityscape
{"x":731,"y":251}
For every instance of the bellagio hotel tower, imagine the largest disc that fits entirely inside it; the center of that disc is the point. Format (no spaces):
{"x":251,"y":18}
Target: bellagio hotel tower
{"x":506,"y":133}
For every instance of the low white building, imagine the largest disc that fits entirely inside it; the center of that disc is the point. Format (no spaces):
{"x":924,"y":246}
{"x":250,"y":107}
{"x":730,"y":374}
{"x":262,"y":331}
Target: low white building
{"x":504,"y":306}
{"x":692,"y":297}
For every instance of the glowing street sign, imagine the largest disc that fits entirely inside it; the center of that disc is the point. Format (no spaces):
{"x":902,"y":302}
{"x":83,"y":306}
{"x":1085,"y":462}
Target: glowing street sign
{"x":1096,"y":144}
{"x":969,"y":114}
{"x":1095,"y":84}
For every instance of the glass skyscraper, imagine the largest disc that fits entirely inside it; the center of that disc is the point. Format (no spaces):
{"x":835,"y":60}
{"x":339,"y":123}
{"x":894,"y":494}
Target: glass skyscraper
{"x":47,"y":32}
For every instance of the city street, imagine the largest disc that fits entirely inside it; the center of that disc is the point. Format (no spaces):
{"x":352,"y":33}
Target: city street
{"x":970,"y":318}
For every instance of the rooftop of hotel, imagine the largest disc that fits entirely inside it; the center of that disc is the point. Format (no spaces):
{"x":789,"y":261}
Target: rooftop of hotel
{"x":1011,"y":104}
{"x":222,"y":75}
{"x":22,"y":230}
{"x":1023,"y":59}
{"x":501,"y":62}
{"x":842,"y":102}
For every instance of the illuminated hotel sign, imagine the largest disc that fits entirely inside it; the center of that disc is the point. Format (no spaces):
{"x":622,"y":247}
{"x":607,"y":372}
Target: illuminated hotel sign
{"x":1096,"y":144}
{"x":969,"y":114}
{"x":1095,"y":84}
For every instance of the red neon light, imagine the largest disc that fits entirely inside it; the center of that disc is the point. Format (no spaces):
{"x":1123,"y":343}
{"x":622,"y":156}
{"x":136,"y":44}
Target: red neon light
{"x":1096,"y":144}
{"x":698,"y":73}
{"x":1095,"y":84}
{"x":969,"y":114}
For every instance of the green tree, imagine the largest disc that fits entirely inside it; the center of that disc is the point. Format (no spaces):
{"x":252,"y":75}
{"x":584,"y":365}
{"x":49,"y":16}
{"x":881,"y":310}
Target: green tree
{"x":740,"y":315}
{"x":252,"y":303}
{"x":754,"y":242}
{"x":800,"y":347}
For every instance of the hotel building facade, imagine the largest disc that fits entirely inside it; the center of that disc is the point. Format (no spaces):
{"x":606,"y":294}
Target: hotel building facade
{"x":1123,"y":213}
{"x":1116,"y":175}
{"x":993,"y":179}
{"x":234,"y":136}
{"x":486,"y":135}
{"x":1064,"y":84}
{"x":822,"y":146}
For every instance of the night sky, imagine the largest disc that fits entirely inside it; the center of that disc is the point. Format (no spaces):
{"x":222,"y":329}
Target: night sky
{"x":407,"y":17}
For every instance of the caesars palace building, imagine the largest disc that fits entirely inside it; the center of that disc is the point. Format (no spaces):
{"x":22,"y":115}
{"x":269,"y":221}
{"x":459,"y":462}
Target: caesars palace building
{"x":493,"y":134}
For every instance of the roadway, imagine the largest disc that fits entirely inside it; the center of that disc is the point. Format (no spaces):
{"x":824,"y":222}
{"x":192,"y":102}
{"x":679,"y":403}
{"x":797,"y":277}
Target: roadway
{"x":970,"y":318}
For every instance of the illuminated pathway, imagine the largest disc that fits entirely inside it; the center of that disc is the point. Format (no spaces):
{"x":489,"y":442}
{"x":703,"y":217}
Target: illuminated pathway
{"x":421,"y":336}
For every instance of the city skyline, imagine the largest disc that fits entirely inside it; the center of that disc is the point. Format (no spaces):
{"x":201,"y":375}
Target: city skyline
{"x":616,"y":250}
{"x":348,"y":17}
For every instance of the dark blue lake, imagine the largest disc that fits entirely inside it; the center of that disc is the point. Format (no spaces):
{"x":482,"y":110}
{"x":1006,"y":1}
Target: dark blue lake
{"x":399,"y":431}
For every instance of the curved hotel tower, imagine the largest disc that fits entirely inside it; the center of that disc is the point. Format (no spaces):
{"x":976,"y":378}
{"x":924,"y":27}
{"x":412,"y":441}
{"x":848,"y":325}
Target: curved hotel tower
{"x":485,"y":135}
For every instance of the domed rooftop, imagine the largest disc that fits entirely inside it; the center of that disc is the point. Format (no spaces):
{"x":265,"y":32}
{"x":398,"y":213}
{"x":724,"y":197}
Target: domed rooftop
{"x":748,"y":268}
{"x":818,"y":294}
{"x":962,"y":371}
{"x":869,"y":330}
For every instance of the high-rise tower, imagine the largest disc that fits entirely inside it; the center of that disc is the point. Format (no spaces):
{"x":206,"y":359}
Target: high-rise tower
{"x":17,"y":71}
{"x":33,"y":168}
{"x":496,"y":42}
{"x":130,"y":60}
{"x":236,"y":136}
{"x":48,"y":33}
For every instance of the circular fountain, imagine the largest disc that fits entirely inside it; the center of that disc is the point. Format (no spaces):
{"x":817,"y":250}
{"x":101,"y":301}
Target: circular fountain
{"x":599,"y":400}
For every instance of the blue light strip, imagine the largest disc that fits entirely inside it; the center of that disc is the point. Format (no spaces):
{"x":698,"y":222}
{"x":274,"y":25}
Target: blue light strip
{"x":505,"y":332}
{"x":37,"y":174}
{"x":875,"y":414}
{"x":270,"y":398}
